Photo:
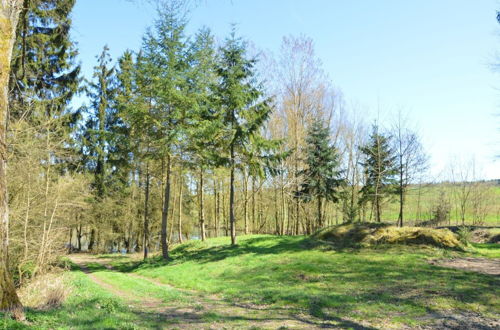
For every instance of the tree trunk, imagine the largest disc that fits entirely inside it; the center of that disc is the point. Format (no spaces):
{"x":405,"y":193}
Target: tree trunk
{"x":216,"y":208}
{"x":164,"y":213}
{"x":180,"y":206}
{"x":90,"y":247}
{"x":276,"y":213}
{"x":9,"y":15}
{"x":145,"y":241}
{"x":231,"y":199}
{"x":202,"y":211}
{"x":320,"y":220}
{"x":245,"y":201}
{"x":79,"y":237}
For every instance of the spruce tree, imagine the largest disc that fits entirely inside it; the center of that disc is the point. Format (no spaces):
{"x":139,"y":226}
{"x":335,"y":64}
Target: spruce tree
{"x":322,"y":176}
{"x":101,"y":123}
{"x":44,"y":75}
{"x":165,"y":57}
{"x":201,"y":124}
{"x":243,"y":110}
{"x":380,"y":170}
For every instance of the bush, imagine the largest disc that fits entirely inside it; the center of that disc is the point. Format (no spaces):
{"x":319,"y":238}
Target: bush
{"x":464,"y":234}
{"x":45,"y":292}
{"x":441,"y":211}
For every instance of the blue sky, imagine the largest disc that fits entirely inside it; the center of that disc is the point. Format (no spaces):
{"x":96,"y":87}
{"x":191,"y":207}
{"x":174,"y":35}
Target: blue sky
{"x":430,"y":58}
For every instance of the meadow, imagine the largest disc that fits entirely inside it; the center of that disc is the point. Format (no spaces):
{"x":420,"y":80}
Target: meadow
{"x":271,"y":282}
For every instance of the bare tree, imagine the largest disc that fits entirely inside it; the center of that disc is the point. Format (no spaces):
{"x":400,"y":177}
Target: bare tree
{"x":461,"y":177}
{"x":303,"y":93}
{"x":410,"y":158}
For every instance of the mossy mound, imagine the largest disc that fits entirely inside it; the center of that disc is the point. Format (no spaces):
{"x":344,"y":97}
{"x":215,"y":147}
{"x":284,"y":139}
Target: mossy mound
{"x":370,"y":234}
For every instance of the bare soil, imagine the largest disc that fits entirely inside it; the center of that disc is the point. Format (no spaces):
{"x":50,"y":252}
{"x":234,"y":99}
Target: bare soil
{"x":480,"y":265}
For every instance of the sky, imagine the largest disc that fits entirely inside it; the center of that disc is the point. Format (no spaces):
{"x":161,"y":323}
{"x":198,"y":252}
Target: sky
{"x":431,"y":59}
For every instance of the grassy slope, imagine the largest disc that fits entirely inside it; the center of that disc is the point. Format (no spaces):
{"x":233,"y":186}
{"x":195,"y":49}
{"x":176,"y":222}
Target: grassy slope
{"x":385,"y":286}
{"x":393,"y":285}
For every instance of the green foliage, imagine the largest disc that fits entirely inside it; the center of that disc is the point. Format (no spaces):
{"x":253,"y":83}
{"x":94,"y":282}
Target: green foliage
{"x":379,"y":169}
{"x":464,"y":235}
{"x":322,"y":177}
{"x":243,"y":110}
{"x":44,"y":74}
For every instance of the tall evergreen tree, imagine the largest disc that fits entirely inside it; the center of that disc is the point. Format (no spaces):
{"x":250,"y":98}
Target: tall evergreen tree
{"x":102,"y":122}
{"x":322,"y":176}
{"x":243,"y":109}
{"x":164,"y":54}
{"x":380,"y":170}
{"x":202,"y":126}
{"x":44,"y":75}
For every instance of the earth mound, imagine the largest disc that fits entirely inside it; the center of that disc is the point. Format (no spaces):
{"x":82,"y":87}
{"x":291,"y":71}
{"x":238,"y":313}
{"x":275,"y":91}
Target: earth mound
{"x":370,"y":234}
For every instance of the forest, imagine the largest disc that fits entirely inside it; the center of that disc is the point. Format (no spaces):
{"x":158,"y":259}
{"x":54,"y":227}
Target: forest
{"x":194,"y":152}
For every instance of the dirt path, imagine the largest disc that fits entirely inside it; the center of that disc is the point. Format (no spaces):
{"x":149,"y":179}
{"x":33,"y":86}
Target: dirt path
{"x":200,"y":311}
{"x":480,"y":265}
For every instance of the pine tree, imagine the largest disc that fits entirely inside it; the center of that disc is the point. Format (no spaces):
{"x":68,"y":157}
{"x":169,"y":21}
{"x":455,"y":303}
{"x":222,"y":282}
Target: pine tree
{"x":322,"y":176}
{"x":243,"y":109}
{"x":44,"y":75}
{"x":380,"y":170}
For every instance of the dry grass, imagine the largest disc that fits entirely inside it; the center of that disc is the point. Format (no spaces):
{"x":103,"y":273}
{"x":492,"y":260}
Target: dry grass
{"x":369,"y":234}
{"x":45,"y":292}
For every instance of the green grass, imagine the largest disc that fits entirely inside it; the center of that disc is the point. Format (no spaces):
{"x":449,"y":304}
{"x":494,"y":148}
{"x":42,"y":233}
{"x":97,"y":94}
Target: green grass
{"x":488,"y":250}
{"x":386,"y":284}
{"x":350,"y":287}
{"x":428,"y":198}
{"x":137,"y":287}
{"x":88,"y":307}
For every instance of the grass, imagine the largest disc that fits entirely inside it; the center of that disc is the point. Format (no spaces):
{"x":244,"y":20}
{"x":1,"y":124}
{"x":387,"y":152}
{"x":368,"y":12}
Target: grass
{"x":394,"y":284}
{"x":88,"y":307}
{"x":488,"y":250}
{"x":383,"y":286}
{"x":428,"y":198}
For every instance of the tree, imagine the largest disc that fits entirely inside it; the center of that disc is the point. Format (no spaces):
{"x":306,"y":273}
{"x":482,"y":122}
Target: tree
{"x":100,"y":144}
{"x":202,"y":127}
{"x":410,"y":160}
{"x":164,"y":54}
{"x":9,"y":15}
{"x":303,"y":92}
{"x":243,"y":111}
{"x":380,"y":169}
{"x":322,"y":175}
{"x":44,"y":76}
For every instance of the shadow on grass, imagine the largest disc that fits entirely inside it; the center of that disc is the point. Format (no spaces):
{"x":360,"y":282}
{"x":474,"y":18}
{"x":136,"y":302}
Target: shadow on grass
{"x":329,"y":287}
{"x":201,"y":253}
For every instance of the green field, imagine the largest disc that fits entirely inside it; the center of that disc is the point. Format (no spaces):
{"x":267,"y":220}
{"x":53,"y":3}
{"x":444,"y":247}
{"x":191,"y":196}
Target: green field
{"x":487,"y":205}
{"x":290,"y":281}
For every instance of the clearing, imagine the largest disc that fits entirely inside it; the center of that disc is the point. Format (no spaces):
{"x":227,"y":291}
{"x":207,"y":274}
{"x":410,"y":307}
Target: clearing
{"x":271,"y":282}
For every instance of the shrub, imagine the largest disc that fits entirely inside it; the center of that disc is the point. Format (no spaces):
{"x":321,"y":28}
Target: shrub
{"x":45,"y":292}
{"x":464,"y":234}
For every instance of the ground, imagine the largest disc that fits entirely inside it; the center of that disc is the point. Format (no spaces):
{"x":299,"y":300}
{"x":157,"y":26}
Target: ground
{"x":273,"y":282}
